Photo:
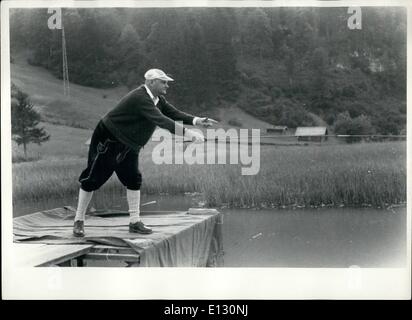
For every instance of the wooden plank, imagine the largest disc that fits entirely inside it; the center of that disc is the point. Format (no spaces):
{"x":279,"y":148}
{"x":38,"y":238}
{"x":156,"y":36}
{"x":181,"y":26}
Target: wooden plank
{"x":111,"y":256}
{"x":33,"y":255}
{"x":201,"y":211}
{"x":105,"y":248}
{"x":110,"y":247}
{"x":58,"y":255}
{"x":105,"y":213}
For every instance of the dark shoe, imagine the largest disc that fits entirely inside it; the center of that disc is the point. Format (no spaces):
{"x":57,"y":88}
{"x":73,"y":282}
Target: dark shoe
{"x":139,"y":227}
{"x":78,"y":228}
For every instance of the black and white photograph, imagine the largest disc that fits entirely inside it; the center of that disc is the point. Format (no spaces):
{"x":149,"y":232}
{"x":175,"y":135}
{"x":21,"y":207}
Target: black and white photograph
{"x":218,"y":149}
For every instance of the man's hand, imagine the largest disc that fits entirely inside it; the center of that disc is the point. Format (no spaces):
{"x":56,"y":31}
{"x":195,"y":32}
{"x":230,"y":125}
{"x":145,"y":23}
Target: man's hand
{"x":194,"y":136}
{"x":205,"y":122}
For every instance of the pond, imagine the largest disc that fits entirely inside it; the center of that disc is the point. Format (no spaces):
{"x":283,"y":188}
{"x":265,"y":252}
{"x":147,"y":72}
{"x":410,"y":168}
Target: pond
{"x":310,"y":238}
{"x":315,"y":238}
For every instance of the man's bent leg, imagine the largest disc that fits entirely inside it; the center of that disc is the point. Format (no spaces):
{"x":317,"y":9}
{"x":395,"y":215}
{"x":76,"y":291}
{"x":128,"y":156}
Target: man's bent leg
{"x":101,"y":163}
{"x":135,"y":225}
{"x":133,"y":200}
{"x":83,"y":203}
{"x":129,"y":175}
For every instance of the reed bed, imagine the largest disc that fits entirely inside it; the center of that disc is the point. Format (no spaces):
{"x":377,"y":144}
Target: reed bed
{"x":366,"y":174}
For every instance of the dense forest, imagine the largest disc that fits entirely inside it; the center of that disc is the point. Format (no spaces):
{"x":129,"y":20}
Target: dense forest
{"x":283,"y":65}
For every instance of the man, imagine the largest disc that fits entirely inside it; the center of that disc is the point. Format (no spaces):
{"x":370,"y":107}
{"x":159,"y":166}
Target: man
{"x":119,"y":136}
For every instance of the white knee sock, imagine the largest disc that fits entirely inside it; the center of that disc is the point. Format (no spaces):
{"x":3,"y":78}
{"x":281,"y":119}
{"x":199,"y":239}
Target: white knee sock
{"x":84,"y":200}
{"x":133,"y":199}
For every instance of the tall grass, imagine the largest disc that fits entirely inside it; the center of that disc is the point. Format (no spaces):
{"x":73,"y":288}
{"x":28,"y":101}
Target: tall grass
{"x":65,"y":142}
{"x":353,"y":175}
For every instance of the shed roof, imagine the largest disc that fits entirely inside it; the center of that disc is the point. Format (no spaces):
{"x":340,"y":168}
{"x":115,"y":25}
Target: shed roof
{"x":279,"y":128}
{"x":311,"y":131}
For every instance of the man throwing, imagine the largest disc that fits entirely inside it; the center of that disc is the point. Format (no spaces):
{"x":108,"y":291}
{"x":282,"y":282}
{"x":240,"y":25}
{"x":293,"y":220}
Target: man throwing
{"x":118,"y":138}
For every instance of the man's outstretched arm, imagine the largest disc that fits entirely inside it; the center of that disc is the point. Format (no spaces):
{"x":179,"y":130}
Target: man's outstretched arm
{"x":177,"y":115}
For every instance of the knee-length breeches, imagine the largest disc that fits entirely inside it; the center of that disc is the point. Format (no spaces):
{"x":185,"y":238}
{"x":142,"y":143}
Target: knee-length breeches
{"x":108,"y":155}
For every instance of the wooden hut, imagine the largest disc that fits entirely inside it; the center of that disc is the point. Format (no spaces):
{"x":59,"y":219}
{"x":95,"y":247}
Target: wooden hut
{"x":277,"y":130}
{"x":317,"y":134}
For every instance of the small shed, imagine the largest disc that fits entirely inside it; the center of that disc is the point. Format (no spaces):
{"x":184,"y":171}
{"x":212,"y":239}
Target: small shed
{"x":277,"y":130}
{"x":318,"y":134}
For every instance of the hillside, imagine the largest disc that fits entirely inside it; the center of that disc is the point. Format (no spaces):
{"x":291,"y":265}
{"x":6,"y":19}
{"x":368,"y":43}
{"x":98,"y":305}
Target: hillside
{"x":86,"y":105}
{"x":82,"y":109}
{"x":70,"y":120}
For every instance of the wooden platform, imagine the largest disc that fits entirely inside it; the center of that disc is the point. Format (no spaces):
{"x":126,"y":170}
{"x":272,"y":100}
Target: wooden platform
{"x":45,"y":255}
{"x":180,"y":239}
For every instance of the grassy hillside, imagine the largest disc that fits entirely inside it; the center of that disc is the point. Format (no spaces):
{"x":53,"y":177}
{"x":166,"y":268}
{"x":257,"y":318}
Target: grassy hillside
{"x":70,"y":120}
{"x":83,"y":108}
{"x":86,"y":105}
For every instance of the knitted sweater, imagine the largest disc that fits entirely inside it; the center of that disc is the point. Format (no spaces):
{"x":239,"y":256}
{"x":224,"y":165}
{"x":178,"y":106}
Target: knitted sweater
{"x":135,"y":118}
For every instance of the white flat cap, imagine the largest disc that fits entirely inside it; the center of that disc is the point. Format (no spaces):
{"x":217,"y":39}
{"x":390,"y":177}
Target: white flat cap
{"x":156,"y":74}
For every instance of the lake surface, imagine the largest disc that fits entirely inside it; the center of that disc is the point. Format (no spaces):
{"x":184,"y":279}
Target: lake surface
{"x":315,"y":238}
{"x":311,"y":238}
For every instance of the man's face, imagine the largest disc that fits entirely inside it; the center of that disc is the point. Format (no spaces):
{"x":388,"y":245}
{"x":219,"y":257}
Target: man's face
{"x":159,"y":87}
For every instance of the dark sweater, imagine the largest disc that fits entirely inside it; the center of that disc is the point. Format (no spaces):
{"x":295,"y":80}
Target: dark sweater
{"x":135,"y":118}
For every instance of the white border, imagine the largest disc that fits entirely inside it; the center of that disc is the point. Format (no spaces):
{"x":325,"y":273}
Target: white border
{"x":185,"y":283}
{"x":198,"y":3}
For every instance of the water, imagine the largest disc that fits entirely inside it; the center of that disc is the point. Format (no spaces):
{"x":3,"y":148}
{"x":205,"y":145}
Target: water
{"x":310,"y":238}
{"x":315,"y":238}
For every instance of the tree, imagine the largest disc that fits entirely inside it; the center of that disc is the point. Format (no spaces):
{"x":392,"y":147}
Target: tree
{"x":130,"y":52}
{"x":289,"y":62}
{"x":217,"y":26}
{"x":196,"y":71}
{"x":346,"y":125}
{"x":24,"y":121}
{"x":257,"y":34}
{"x":319,"y":62}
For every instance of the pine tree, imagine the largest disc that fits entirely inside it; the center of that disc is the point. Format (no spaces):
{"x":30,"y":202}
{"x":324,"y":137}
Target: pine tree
{"x":195,"y":61}
{"x":130,"y":53}
{"x":257,"y":34}
{"x":24,"y":121}
{"x":217,"y":32}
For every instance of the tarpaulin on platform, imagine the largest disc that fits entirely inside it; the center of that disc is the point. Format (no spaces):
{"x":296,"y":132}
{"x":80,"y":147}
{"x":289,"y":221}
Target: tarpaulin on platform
{"x":179,"y":239}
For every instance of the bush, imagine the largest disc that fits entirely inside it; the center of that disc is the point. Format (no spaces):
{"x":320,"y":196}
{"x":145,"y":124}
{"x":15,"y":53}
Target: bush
{"x":21,"y":158}
{"x":254,"y":82}
{"x":389,"y":121}
{"x":322,"y":105}
{"x":402,"y":107}
{"x":235,"y":122}
{"x":346,"y":125}
{"x":330,"y":119}
{"x":349,"y":91}
{"x":257,"y":100}
{"x":356,"y":109}
{"x":284,"y":112}
{"x":387,"y":126}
